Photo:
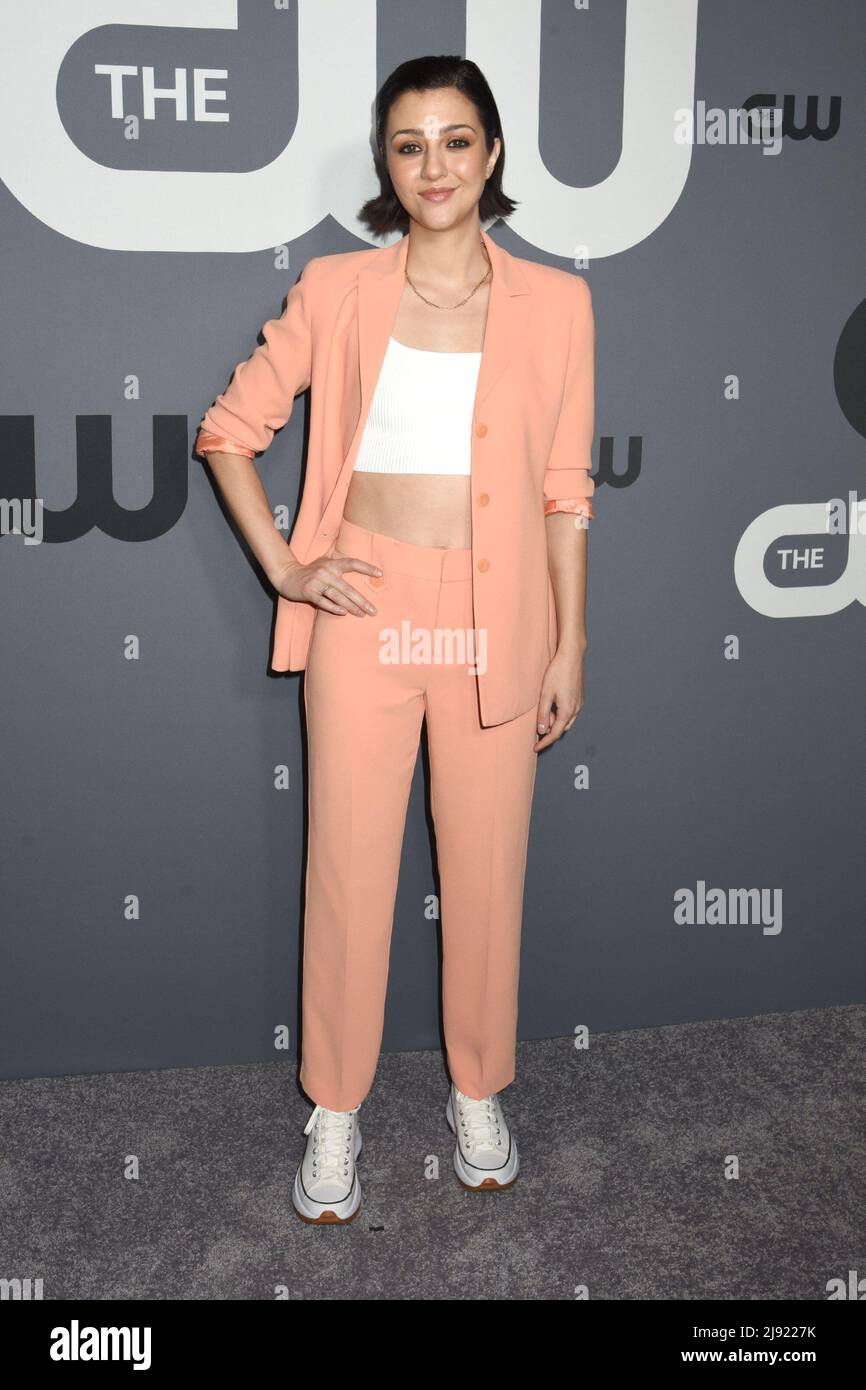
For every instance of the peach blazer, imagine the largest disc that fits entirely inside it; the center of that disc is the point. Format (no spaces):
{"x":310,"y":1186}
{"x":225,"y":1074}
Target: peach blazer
{"x":532,"y":430}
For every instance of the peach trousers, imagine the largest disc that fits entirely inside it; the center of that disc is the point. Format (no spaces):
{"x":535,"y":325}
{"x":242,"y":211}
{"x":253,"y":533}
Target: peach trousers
{"x":366,"y":693}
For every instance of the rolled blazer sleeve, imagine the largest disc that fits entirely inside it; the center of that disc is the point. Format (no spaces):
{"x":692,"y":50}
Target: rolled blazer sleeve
{"x":568,"y":486}
{"x":259,"y":398}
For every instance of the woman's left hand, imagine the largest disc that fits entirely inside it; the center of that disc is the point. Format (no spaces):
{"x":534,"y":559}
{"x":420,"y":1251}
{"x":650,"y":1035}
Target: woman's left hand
{"x":562,"y":686}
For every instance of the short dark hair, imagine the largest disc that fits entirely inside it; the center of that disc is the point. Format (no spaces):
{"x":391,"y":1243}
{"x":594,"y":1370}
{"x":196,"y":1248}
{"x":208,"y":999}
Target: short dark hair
{"x":385,"y":213}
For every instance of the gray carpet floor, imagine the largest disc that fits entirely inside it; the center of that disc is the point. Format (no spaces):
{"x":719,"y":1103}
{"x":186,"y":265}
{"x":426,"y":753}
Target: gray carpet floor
{"x":622,"y":1194}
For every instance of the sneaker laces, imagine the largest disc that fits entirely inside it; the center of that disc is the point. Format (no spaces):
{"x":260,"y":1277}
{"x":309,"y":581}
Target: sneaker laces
{"x":332,"y":1142}
{"x":479,"y":1118}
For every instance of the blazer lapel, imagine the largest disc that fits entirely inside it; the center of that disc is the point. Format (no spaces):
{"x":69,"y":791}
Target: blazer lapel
{"x":380,"y":286}
{"x":507,"y":316}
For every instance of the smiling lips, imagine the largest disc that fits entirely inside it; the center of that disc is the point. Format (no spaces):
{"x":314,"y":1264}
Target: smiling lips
{"x":437,"y":195}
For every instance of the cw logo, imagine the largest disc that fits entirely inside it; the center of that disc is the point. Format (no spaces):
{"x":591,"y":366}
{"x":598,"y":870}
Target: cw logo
{"x":129,"y":209}
{"x":95,"y":505}
{"x":802,"y":601}
{"x":787,"y":107}
{"x":813,"y":519}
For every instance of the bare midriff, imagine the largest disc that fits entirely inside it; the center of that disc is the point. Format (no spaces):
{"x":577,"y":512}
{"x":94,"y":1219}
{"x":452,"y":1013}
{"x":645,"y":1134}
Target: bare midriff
{"x":433,"y":509}
{"x":423,"y":508}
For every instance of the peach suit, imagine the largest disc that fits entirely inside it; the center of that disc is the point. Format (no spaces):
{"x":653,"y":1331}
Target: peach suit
{"x":367,"y":688}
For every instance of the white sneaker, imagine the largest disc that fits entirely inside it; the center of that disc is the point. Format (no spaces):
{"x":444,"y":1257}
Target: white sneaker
{"x":485,"y":1157}
{"x":327,"y":1190}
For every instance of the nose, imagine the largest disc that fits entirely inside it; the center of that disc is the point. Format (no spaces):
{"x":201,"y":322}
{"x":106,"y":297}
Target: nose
{"x":433,"y":165}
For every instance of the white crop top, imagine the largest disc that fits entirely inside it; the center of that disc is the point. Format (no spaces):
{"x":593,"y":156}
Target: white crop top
{"x":420,"y":417}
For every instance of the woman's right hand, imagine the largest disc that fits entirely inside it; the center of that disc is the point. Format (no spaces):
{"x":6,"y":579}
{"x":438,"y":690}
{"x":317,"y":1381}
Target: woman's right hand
{"x":322,"y":584}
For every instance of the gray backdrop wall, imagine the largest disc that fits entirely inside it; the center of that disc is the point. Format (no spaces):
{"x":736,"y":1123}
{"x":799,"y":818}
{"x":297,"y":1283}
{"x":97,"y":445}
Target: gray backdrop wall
{"x":152,"y":846}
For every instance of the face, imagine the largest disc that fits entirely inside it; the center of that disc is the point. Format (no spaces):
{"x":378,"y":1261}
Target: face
{"x":435,"y":140}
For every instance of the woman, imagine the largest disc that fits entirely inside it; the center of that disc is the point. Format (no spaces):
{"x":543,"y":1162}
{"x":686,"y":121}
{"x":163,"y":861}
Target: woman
{"x":448,"y":467}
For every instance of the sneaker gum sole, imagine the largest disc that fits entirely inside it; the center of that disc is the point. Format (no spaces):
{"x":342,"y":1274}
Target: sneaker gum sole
{"x":328,"y":1218}
{"x":488,"y":1185}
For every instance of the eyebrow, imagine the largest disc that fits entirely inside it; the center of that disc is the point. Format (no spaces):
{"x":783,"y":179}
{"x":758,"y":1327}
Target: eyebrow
{"x":460,"y":126}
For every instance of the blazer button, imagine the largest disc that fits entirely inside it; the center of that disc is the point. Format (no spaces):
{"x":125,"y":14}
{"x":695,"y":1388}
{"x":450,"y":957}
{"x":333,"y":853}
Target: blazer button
{"x":375,"y":580}
{"x":484,"y":566}
{"x":483,"y":499}
{"x":481,"y":429}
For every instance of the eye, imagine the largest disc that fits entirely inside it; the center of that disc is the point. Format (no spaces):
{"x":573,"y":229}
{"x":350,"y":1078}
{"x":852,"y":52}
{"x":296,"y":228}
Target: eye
{"x":412,"y":147}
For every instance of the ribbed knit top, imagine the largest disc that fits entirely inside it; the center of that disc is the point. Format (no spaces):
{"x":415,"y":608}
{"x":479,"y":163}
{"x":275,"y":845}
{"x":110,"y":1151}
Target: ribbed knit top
{"x":420,"y":417}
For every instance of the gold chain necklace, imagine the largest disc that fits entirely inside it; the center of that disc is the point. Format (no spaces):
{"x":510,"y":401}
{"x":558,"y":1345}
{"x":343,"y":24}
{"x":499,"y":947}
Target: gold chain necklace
{"x":488,"y":272}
